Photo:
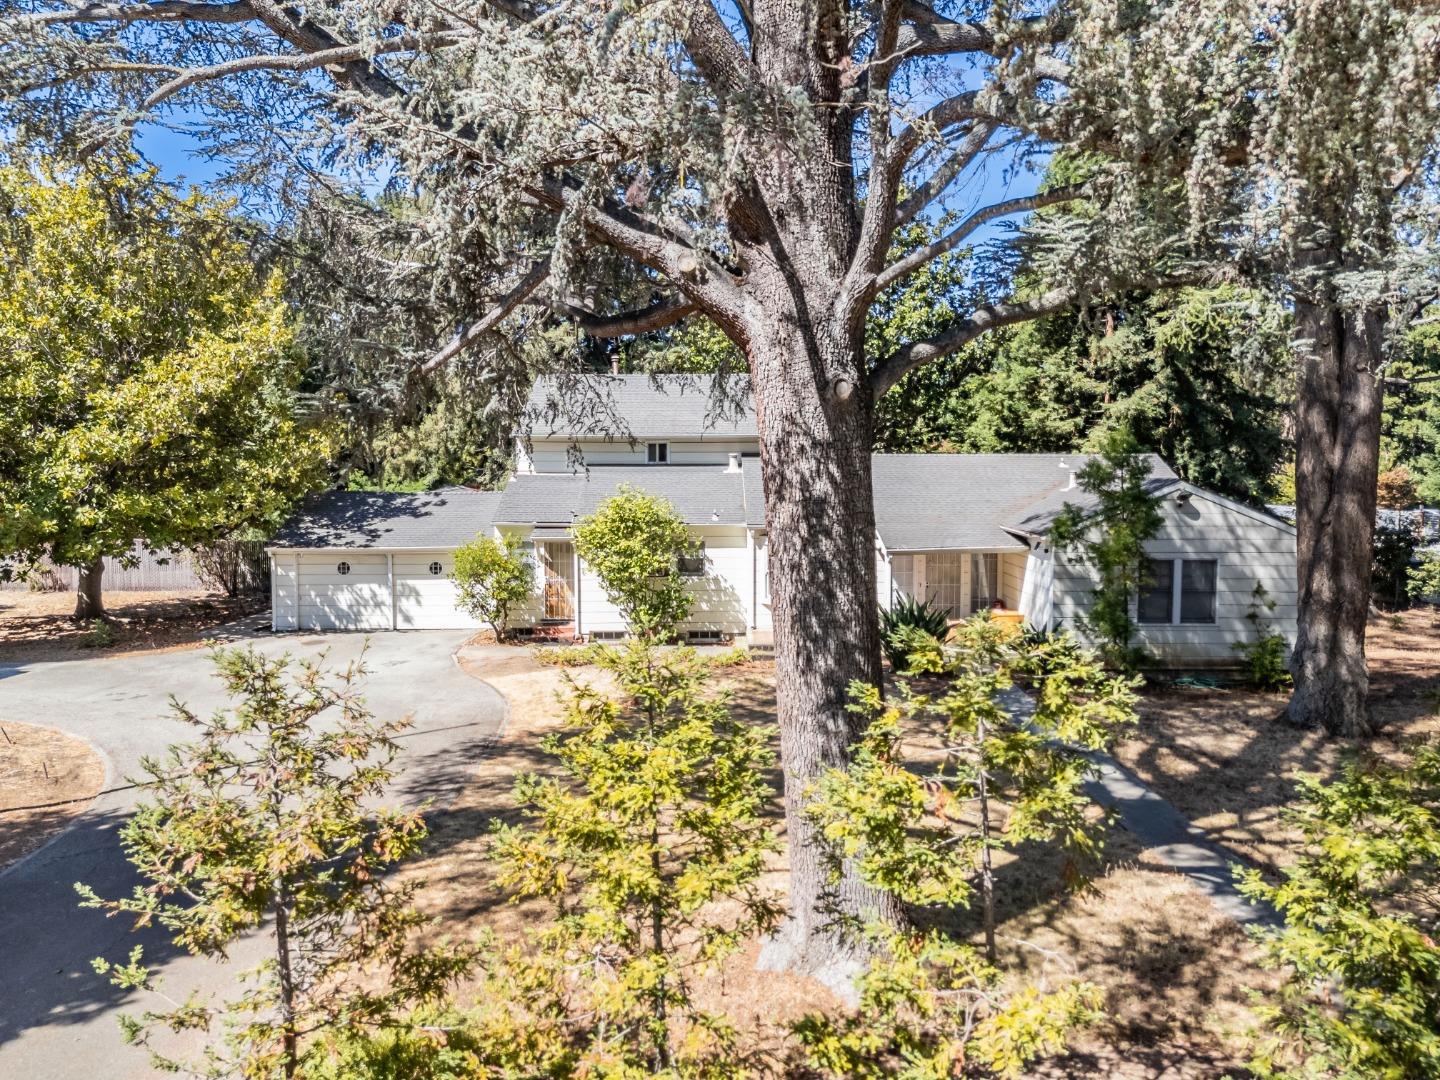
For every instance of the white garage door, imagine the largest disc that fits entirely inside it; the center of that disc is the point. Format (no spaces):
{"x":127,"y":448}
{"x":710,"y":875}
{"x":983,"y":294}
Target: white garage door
{"x":348,"y":591}
{"x":424,"y":593}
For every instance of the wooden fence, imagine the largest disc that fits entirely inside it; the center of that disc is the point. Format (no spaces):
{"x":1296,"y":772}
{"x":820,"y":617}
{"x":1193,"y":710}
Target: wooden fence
{"x":151,"y":573}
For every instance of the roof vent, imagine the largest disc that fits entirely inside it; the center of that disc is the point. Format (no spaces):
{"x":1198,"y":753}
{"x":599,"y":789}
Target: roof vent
{"x":734,"y":465}
{"x":1070,"y":480}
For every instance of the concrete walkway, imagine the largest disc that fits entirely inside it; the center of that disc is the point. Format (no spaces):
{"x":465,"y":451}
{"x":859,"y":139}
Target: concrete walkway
{"x":58,"y":1019}
{"x":1165,"y":832}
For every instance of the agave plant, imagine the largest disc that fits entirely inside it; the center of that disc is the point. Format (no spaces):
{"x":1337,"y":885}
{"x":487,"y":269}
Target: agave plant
{"x":908,"y":614}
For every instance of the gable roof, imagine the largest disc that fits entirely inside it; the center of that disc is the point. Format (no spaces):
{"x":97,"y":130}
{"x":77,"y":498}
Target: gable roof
{"x":445,"y":518}
{"x":1041,"y":514}
{"x":640,"y":407}
{"x":703,"y":494}
{"x":929,"y":501}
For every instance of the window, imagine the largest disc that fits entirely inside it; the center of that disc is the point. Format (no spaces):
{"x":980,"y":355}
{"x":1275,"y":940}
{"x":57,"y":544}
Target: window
{"x":692,"y":564}
{"x":342,"y":568}
{"x":984,"y":581}
{"x":902,"y":576}
{"x":1178,"y":591}
{"x":436,"y":568}
{"x":1197,"y":591}
{"x":657,"y":453}
{"x":1157,"y":592}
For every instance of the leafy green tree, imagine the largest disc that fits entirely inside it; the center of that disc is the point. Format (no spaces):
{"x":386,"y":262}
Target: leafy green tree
{"x":634,"y":542}
{"x":651,"y":846}
{"x":1110,"y":537}
{"x":1361,"y":997}
{"x":927,"y":833}
{"x":1410,"y":429}
{"x":1202,"y":376}
{"x":148,"y":392}
{"x":266,"y":823}
{"x":1394,"y":550}
{"x":493,"y":577}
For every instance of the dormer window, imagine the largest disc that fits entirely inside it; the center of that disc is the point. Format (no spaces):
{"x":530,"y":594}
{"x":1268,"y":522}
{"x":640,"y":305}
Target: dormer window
{"x":657,"y":453}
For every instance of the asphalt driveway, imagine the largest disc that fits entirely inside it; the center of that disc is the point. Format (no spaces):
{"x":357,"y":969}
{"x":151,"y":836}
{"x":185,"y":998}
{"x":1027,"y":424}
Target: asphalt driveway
{"x":57,"y":1017}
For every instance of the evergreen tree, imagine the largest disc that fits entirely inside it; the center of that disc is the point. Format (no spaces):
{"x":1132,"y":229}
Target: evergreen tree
{"x":1110,"y":537}
{"x":1361,"y":997}
{"x":650,"y":845}
{"x":266,"y":824}
{"x":926,"y":832}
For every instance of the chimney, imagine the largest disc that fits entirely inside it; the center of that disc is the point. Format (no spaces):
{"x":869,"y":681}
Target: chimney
{"x":734,"y":465}
{"x":1070,"y":479}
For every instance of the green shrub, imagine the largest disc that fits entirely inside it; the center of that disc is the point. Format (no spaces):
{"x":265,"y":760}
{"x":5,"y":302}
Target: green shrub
{"x":1361,"y":996}
{"x":634,"y":543}
{"x":906,"y":614}
{"x":1268,"y":655}
{"x":492,"y":578}
{"x":1424,"y":580}
{"x":101,"y":634}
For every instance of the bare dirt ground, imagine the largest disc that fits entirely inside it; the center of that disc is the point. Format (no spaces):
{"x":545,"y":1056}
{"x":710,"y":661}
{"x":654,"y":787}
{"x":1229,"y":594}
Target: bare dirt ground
{"x":1229,"y":761}
{"x":38,"y":626}
{"x":1176,"y":973}
{"x":46,"y":779}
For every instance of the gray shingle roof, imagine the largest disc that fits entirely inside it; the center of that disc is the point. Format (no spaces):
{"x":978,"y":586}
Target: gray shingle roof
{"x":936,"y":501}
{"x":640,"y":406}
{"x":444,"y":518}
{"x":1040,"y":515}
{"x":703,"y":494}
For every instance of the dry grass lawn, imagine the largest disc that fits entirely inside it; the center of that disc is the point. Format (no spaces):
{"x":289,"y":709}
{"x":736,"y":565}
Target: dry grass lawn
{"x":38,"y":626}
{"x":47,"y":778}
{"x":1229,"y":761}
{"x":1175,"y":972}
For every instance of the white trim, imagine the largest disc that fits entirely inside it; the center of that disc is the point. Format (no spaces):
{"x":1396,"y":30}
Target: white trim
{"x":390,"y":576}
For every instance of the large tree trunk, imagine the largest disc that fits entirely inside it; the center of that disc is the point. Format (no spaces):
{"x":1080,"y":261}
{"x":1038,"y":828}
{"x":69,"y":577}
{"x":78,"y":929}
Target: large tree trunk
{"x":816,"y":438}
{"x":88,"y":602}
{"x":795,"y":232}
{"x":1336,"y":468}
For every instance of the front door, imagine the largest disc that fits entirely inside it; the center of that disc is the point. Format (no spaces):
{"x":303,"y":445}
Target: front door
{"x":557,"y":561}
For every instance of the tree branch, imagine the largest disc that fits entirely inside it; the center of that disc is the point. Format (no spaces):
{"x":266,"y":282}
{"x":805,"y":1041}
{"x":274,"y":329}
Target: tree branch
{"x":236,"y":11}
{"x":293,"y":62}
{"x":532,"y":280}
{"x":690,"y":269}
{"x":993,"y":316}
{"x":946,"y":174}
{"x":655,"y":317}
{"x":713,"y":49}
{"x":903,"y":268}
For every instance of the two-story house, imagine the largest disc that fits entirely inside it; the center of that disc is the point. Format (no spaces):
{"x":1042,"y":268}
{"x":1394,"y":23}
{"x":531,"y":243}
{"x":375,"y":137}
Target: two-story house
{"x":968,"y":532}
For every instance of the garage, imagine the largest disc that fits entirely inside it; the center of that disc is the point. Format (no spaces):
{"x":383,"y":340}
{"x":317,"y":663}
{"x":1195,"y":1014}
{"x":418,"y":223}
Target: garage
{"x":349,"y":591}
{"x":375,"y":560}
{"x":424,"y":593}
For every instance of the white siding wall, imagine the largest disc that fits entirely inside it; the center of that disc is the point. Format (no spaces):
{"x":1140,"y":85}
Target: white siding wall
{"x":719,"y":596}
{"x":552,"y":455}
{"x":1012,"y":579}
{"x":1035,"y":589}
{"x":424,"y":600}
{"x":763,"y":621}
{"x":284,"y":590}
{"x":883,"y":579}
{"x":1246,"y":551}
